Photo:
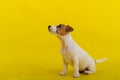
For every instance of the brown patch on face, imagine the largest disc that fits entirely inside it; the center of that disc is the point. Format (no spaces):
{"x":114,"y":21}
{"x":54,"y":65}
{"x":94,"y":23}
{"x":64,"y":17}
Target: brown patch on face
{"x":63,"y":29}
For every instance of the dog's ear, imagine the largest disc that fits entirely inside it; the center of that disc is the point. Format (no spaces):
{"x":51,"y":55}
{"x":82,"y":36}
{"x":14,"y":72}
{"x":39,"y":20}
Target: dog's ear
{"x":69,"y":28}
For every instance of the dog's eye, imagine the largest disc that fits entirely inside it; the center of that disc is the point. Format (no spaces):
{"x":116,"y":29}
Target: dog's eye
{"x":59,"y":26}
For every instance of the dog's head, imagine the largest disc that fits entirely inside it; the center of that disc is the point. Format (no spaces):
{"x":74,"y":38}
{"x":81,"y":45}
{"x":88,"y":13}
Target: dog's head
{"x":60,"y":29}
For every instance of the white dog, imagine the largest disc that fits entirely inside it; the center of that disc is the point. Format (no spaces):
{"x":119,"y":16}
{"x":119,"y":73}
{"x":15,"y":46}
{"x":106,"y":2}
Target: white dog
{"x":72,"y":53}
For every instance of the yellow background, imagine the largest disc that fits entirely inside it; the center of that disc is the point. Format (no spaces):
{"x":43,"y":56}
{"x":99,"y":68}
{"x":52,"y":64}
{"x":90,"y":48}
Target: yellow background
{"x":29,"y":52}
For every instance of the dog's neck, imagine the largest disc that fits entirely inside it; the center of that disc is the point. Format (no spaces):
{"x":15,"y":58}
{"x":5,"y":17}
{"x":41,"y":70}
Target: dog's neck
{"x":66,"y":40}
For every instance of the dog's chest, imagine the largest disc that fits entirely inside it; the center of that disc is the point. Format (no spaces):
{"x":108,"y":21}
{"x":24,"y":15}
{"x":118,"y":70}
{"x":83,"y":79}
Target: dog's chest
{"x":67,"y":56}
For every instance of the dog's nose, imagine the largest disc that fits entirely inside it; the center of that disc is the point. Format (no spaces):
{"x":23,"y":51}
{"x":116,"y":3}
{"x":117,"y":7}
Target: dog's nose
{"x":49,"y":26}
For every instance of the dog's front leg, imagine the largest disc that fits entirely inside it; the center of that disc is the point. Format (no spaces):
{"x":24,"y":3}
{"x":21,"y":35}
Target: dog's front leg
{"x":65,"y":67}
{"x":76,"y":67}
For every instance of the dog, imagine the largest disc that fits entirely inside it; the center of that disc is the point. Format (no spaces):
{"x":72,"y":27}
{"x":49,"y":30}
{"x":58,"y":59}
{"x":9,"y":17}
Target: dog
{"x":73,"y":54}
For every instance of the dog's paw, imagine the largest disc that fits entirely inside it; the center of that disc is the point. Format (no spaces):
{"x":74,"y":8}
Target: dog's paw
{"x":63,"y":73}
{"x":76,"y":75}
{"x":87,"y":72}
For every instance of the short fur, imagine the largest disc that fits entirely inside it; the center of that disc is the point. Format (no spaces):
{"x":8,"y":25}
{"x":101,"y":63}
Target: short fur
{"x":72,"y":53}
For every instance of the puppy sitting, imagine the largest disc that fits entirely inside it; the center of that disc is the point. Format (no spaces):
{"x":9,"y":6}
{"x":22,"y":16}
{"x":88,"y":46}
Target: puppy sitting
{"x":72,"y":53}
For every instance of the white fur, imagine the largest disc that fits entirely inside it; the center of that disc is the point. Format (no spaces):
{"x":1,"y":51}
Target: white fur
{"x":75,"y":56}
{"x":101,"y":60}
{"x":53,"y":29}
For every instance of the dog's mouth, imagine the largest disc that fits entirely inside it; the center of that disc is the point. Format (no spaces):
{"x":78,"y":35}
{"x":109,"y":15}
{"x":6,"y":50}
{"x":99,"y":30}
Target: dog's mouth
{"x":52,"y":29}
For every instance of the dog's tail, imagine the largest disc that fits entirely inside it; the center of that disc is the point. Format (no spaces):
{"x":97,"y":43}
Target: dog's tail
{"x":100,"y":60}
